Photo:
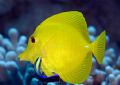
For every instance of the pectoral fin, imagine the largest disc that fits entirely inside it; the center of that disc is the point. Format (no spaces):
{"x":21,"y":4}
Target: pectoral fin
{"x":45,"y":67}
{"x":41,"y":67}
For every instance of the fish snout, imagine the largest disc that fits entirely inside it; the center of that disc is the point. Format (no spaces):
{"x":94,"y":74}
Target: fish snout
{"x":25,"y":57}
{"x":21,"y":57}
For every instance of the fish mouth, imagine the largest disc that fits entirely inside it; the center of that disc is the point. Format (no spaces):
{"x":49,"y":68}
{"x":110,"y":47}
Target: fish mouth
{"x":21,"y":57}
{"x":24,"y":57}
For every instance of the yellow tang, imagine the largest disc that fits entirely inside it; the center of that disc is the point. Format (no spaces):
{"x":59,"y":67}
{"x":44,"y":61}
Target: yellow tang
{"x":62,"y":42}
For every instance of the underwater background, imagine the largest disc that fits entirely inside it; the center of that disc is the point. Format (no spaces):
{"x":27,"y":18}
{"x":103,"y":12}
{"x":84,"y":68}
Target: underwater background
{"x":19,"y":18}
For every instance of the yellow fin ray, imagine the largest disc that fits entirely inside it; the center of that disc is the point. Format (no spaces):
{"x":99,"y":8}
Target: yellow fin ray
{"x":46,"y":68}
{"x":71,"y":18}
{"x":46,"y":71}
{"x":79,"y":74}
{"x":98,"y":47}
{"x":42,"y":67}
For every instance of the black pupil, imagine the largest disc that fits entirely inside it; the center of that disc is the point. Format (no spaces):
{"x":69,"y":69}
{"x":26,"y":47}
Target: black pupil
{"x":33,"y":39}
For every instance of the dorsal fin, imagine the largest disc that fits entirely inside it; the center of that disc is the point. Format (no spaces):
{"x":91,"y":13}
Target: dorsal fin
{"x":71,"y":18}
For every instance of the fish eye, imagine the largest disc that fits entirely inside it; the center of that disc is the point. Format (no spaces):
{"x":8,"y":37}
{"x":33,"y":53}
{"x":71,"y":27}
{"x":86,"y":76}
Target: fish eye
{"x":32,"y":39}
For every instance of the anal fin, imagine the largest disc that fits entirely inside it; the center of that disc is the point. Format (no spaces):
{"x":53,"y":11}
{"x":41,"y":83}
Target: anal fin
{"x":80,"y":74}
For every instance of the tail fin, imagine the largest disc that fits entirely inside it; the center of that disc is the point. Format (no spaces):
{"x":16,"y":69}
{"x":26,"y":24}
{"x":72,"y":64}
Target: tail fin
{"x":98,"y":47}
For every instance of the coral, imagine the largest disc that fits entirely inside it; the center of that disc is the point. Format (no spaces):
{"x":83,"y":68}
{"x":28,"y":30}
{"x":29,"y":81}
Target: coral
{"x":107,"y":73}
{"x":13,"y":71}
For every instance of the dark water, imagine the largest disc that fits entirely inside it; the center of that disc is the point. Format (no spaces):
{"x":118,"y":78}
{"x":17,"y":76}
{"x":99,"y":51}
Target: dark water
{"x":19,"y":18}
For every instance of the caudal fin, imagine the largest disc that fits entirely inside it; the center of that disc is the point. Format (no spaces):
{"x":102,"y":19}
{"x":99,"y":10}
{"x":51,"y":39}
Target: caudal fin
{"x":98,"y":47}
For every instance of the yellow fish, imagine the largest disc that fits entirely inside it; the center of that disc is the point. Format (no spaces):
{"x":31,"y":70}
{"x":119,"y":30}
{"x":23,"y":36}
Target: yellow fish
{"x":62,"y":42}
